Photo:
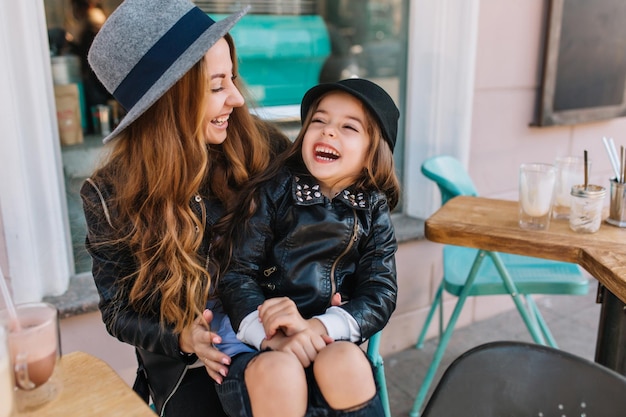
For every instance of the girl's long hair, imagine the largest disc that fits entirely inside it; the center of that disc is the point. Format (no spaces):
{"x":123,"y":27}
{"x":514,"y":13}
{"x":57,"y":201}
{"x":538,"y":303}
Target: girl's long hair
{"x":155,"y":168}
{"x":378,"y":174}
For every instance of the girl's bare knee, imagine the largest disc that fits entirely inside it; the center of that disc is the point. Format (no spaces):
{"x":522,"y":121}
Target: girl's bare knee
{"x":344,"y":375}
{"x":270,"y":372}
{"x":276,"y":375}
{"x":342,"y":355}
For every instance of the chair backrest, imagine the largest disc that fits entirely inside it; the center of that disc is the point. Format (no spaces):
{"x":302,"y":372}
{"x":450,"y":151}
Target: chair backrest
{"x":522,"y":379}
{"x":450,"y":176}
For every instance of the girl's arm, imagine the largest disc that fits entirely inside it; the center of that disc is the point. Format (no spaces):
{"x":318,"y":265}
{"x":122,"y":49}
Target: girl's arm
{"x":239,"y":289}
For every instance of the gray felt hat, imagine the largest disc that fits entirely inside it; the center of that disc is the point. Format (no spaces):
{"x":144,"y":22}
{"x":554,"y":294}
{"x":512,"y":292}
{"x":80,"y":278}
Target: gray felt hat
{"x":146,"y":46}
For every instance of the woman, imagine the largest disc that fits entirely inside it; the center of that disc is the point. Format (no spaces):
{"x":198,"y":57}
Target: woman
{"x":186,"y":144}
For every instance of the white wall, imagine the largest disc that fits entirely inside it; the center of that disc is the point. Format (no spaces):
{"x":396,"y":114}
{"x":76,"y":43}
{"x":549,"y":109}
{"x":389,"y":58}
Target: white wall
{"x":508,"y":76}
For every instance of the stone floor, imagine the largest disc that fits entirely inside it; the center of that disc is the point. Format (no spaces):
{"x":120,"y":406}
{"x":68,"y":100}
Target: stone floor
{"x":573,"y":321}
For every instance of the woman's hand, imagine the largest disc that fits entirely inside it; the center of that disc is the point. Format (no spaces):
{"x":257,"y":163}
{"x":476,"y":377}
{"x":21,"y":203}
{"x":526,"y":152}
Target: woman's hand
{"x":199,"y":340}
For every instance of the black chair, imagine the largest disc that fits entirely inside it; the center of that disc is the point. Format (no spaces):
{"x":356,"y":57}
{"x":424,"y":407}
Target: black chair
{"x":515,"y":379}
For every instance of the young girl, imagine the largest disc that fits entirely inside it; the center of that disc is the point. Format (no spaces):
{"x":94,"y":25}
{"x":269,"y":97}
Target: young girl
{"x":312,"y":272}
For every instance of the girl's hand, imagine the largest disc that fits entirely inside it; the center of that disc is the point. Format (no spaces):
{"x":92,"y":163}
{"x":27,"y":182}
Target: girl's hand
{"x":281,"y":314}
{"x":305,"y":345}
{"x":199,"y":340}
{"x":336,"y":300}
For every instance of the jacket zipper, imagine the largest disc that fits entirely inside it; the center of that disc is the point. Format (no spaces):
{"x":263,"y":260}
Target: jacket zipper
{"x":200,"y":202}
{"x":353,"y":238}
{"x":174,"y":390}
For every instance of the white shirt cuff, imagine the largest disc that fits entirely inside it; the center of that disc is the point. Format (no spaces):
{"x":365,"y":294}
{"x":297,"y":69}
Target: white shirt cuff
{"x":251,"y":330}
{"x":340,"y":325}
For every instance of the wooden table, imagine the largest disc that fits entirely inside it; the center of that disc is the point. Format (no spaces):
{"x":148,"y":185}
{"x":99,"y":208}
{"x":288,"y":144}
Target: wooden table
{"x":491,"y":224}
{"x":91,"y":388}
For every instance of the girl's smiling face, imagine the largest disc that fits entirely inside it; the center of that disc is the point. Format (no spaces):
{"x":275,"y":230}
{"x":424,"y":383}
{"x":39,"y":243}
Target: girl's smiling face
{"x":336,"y":141}
{"x":223,"y":95}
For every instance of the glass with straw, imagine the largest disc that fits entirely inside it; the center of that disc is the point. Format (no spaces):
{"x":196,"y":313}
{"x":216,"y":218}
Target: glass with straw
{"x":33,"y":341}
{"x":586,"y":204}
{"x":7,"y":385}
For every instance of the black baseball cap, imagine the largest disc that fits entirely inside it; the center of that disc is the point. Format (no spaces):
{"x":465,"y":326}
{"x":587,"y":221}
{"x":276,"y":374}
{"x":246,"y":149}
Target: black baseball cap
{"x":370,"y":94}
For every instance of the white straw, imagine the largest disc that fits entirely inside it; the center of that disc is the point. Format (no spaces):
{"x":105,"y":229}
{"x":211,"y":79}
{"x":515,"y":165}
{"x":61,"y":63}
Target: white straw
{"x":612,"y":156}
{"x":14,"y":322}
{"x":615,"y":156}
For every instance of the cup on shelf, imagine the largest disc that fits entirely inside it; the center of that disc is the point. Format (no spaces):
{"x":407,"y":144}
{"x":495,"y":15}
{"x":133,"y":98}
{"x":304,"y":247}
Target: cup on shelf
{"x":570,"y":170}
{"x":101,"y":118}
{"x":34,"y":351}
{"x":536,"y":191}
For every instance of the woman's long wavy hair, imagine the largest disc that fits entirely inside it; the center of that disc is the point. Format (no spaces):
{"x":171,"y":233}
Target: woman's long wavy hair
{"x":378,"y":174}
{"x":155,"y":168}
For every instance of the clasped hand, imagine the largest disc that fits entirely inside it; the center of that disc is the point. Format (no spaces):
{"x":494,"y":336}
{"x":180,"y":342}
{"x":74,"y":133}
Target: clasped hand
{"x":286,"y":330}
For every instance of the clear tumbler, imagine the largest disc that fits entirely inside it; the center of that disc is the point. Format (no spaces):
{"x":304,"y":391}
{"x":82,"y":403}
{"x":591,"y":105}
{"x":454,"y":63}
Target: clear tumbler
{"x":586,"y":208}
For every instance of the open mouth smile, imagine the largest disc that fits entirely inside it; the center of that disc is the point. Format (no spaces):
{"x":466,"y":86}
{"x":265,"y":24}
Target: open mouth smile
{"x":220,"y":121}
{"x":326,"y":153}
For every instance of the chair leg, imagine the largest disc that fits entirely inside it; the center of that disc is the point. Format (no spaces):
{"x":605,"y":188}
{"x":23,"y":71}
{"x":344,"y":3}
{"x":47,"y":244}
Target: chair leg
{"x":373,"y":347}
{"x":382,"y":383}
{"x":447,"y":334}
{"x":518,"y":299}
{"x":541,"y":321}
{"x":436,"y":303}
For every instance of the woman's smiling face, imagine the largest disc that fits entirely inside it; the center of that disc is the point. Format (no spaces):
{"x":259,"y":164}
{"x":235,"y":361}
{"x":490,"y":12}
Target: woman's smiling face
{"x":223,"y":96}
{"x":335,"y":144}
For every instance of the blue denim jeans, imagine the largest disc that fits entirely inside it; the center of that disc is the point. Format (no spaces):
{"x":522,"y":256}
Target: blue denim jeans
{"x":236,"y":402}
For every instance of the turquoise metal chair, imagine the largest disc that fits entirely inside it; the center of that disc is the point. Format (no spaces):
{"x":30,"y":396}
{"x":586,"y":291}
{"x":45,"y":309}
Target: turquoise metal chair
{"x":372,"y":352}
{"x":466,"y":273}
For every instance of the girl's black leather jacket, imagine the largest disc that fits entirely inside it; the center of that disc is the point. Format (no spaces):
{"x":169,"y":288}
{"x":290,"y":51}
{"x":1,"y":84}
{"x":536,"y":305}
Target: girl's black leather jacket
{"x":161,"y":364}
{"x":301,"y":245}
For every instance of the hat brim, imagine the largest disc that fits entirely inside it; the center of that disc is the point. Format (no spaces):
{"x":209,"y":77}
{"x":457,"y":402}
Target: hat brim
{"x":180,"y":67}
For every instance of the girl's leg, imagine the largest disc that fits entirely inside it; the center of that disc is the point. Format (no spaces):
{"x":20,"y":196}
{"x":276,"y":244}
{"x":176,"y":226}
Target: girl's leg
{"x":276,"y":385}
{"x":344,"y":376}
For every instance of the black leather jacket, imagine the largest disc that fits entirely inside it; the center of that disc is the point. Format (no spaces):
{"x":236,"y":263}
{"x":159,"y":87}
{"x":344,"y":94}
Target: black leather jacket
{"x":160,"y":359}
{"x":301,"y":245}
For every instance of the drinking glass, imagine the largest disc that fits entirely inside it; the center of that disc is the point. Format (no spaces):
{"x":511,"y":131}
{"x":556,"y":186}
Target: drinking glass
{"x":34,"y":351}
{"x":7,"y":397}
{"x":587,"y":205}
{"x":570,"y":170}
{"x":536,"y":191}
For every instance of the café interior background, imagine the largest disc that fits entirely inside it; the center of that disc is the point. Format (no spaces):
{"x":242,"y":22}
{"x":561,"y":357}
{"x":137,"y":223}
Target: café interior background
{"x":284,"y":47}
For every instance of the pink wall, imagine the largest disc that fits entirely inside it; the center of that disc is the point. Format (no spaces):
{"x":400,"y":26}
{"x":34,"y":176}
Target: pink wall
{"x":507,"y":84}
{"x":508,"y":77}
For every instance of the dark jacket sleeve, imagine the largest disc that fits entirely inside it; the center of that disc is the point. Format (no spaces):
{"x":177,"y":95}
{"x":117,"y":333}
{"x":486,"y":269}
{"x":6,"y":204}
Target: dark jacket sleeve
{"x":374,"y":296}
{"x":239,"y":288}
{"x":112,"y":264}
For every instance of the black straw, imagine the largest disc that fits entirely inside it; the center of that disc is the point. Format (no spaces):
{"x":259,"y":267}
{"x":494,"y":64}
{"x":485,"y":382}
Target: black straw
{"x":586,"y":170}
